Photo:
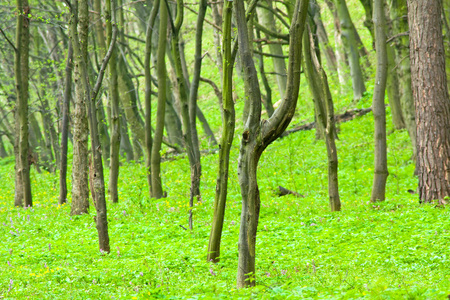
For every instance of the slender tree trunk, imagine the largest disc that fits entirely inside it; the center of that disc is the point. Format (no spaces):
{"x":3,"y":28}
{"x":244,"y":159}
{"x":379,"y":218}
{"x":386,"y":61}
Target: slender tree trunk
{"x":228,"y":125}
{"x":258,"y":135}
{"x":378,"y":107}
{"x":323,"y":38}
{"x":148,"y":92}
{"x":115,"y":112}
{"x":350,"y":44}
{"x":196,"y":168}
{"x":318,"y":83}
{"x":126,"y":149}
{"x":21,"y":68}
{"x":157,"y":191}
{"x":80,"y":164}
{"x":429,"y":82}
{"x":65,"y":127}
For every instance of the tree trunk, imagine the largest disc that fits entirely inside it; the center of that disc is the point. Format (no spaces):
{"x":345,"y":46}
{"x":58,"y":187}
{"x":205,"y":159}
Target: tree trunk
{"x":429,"y":82}
{"x":157,"y":191}
{"x":228,"y":125}
{"x":65,"y":127}
{"x":323,"y":37}
{"x":393,"y":90}
{"x":257,"y":134}
{"x":115,"y":112}
{"x":378,"y":107}
{"x":80,"y":164}
{"x":21,"y":69}
{"x":318,"y":83}
{"x":148,"y":92}
{"x":349,"y":39}
{"x":399,"y":17}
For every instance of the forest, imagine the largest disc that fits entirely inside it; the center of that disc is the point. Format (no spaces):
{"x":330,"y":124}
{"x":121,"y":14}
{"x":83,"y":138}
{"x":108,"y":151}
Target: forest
{"x":258,"y":149}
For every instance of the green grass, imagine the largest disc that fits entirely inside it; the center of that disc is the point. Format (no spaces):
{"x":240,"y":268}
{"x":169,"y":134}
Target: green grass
{"x":391,"y":250}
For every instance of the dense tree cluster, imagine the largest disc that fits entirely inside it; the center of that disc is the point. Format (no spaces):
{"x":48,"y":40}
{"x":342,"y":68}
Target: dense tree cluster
{"x":76,"y":72}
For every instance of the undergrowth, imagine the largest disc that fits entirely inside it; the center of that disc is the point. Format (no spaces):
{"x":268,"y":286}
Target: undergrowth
{"x":396,"y":249}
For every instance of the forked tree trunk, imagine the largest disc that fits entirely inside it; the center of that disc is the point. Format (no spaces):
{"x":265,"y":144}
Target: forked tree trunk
{"x":21,"y":69}
{"x":65,"y":127}
{"x":318,"y":83}
{"x":258,"y":135}
{"x":228,"y":125}
{"x":157,"y":191}
{"x":378,"y":108}
{"x":429,"y":82}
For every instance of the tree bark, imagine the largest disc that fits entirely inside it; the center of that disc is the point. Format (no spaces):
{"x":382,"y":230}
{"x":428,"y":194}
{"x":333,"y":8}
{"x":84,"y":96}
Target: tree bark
{"x":399,"y":18}
{"x":21,"y":69}
{"x":429,"y":82}
{"x":80,"y":164}
{"x":378,"y":107}
{"x":318,"y":83}
{"x":228,"y":125}
{"x":65,"y":127}
{"x":157,"y":191}
{"x":148,"y":92}
{"x":257,"y":134}
{"x":114,"y":101}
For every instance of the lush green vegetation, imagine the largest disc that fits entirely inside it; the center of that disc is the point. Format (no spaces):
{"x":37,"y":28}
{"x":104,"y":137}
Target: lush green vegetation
{"x":390,"y":250}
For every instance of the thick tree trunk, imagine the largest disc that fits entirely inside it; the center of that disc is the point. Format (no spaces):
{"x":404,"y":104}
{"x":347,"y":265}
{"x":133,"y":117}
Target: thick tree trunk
{"x":157,"y":191}
{"x":378,"y":107}
{"x":429,"y":82}
{"x":65,"y":127}
{"x":228,"y":125}
{"x":80,"y":164}
{"x":351,"y":46}
{"x":21,"y":69}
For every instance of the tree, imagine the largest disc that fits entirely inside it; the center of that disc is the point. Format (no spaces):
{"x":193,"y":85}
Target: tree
{"x":21,"y":69}
{"x":431,"y":98}
{"x":378,"y":108}
{"x":228,"y":125}
{"x":257,"y":134}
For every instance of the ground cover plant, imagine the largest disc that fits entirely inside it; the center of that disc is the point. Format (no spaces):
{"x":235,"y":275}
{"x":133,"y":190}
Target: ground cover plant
{"x":389,"y":250}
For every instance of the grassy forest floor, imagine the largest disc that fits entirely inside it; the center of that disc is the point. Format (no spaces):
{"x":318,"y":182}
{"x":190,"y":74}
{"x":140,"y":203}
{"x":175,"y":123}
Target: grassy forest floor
{"x":391,"y":250}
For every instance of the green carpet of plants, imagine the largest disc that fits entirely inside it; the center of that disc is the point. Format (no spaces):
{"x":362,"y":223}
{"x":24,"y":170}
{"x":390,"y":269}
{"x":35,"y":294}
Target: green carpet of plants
{"x":397,"y":249}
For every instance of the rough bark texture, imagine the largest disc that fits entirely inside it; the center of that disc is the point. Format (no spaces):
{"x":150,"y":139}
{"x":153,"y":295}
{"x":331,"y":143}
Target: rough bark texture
{"x":65,"y":127}
{"x":157,"y":191}
{"x":21,"y":69}
{"x":378,"y":107}
{"x":429,"y":82}
{"x":257,"y":134}
{"x":228,"y":125}
{"x":80,"y":163}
